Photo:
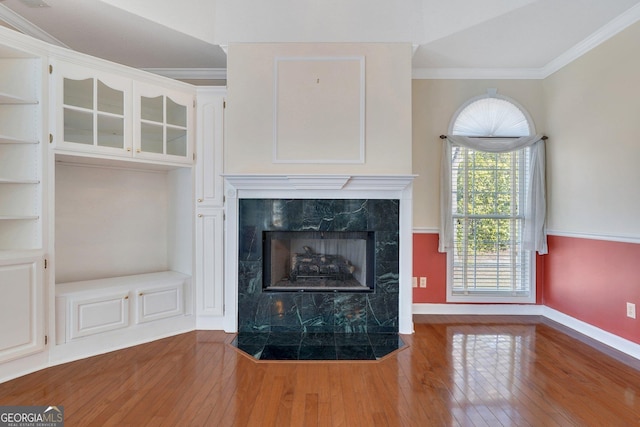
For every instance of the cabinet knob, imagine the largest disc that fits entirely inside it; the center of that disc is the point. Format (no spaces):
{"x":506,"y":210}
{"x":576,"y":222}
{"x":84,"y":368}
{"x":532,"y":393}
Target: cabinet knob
{"x":141,"y":294}
{"x":128,"y":148}
{"x":199,"y":200}
{"x":199,"y":215}
{"x":126,"y":297}
{"x":137,"y":150}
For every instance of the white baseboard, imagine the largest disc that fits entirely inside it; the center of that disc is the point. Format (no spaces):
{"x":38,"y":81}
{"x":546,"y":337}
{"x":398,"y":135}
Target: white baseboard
{"x":210,"y":323}
{"x":607,"y":338}
{"x":617,"y":343}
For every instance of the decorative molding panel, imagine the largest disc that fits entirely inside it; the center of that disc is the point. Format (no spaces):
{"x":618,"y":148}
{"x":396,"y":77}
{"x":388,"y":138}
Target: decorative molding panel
{"x":319,"y":110}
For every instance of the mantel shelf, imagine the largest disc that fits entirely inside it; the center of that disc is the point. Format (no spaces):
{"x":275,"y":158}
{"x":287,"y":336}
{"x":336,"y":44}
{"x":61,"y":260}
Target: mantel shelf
{"x":319,"y":182}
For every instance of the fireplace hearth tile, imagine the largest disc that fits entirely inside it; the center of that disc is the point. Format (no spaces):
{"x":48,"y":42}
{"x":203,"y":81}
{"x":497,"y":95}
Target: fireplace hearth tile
{"x":382,"y":315}
{"x":317,"y":346}
{"x":355,"y":352}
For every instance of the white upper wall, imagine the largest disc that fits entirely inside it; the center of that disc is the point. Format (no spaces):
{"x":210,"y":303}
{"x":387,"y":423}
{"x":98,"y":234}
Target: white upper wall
{"x":592,"y":108}
{"x":250,"y":119}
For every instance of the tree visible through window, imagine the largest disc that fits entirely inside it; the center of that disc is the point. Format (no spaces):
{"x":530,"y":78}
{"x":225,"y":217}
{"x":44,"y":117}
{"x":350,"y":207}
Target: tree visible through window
{"x":488,"y":200}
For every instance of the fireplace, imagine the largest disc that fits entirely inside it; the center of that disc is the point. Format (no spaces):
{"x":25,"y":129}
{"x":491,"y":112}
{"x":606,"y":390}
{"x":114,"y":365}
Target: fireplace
{"x":285,"y":213}
{"x":340,"y":255}
{"x":320,"y":261}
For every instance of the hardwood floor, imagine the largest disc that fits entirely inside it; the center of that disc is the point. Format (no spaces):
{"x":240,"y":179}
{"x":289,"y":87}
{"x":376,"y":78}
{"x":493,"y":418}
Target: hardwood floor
{"x":453,"y":372}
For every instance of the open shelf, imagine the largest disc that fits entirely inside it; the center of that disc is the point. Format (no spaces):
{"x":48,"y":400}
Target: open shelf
{"x":8,"y":99}
{"x":11,"y":140}
{"x":19,"y":181}
{"x":21,"y":156}
{"x":18,"y":217}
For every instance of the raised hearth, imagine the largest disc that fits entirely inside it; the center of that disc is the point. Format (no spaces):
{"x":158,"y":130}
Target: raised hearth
{"x":317,"y":346}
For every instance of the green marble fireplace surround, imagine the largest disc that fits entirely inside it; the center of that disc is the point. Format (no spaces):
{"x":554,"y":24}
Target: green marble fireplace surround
{"x":317,"y":311}
{"x":376,"y":206}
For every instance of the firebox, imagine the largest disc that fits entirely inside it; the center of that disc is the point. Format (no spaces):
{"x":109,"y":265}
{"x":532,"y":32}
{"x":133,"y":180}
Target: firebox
{"x":322,"y":261}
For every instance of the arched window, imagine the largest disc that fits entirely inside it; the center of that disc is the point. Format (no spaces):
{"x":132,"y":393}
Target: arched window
{"x":491,"y":116}
{"x":487,"y":226}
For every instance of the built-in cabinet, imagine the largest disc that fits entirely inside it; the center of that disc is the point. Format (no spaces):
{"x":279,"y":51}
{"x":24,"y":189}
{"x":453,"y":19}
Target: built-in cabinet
{"x":94,"y":307}
{"x":93,"y":110}
{"x":111,"y":216}
{"x":21,"y":168}
{"x":209,"y":203}
{"x":124,"y":219}
{"x":106,"y":113}
{"x":22,"y":315}
{"x":163,"y":123}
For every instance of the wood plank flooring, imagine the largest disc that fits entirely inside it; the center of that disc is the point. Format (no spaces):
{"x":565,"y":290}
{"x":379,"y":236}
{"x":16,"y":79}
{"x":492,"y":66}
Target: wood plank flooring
{"x":454,"y":371}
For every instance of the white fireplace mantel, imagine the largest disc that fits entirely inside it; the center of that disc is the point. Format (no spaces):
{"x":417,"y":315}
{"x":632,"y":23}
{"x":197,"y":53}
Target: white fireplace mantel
{"x":313,"y":186}
{"x":319,"y":182}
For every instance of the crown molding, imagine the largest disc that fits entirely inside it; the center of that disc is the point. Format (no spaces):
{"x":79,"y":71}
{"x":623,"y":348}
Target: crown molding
{"x":604,"y":33}
{"x":190,"y":73}
{"x":19,"y":23}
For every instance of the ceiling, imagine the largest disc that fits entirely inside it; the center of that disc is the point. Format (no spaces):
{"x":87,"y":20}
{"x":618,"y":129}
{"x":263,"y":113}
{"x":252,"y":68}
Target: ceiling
{"x":452,"y":38}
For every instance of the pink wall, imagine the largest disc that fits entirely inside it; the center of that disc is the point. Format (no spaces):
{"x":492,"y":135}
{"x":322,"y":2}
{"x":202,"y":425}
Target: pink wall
{"x":592,"y":280}
{"x":429,"y":263}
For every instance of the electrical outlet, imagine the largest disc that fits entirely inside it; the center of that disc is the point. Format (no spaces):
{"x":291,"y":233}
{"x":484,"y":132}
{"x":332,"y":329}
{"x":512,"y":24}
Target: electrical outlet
{"x":631,"y":310}
{"x":423,"y":282}
{"x":414,"y":282}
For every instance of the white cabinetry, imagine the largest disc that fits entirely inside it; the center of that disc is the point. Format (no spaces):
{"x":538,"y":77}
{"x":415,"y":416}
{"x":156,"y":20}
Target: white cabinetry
{"x":110,"y":111}
{"x":163,"y":123}
{"x":93,"y":110}
{"x":94,"y":308}
{"x":21,"y":170}
{"x":100,"y":157}
{"x":22,"y":302}
{"x":210,"y":113}
{"x":90,"y":314}
{"x":160,"y":302}
{"x":124,"y":191}
{"x":209,"y":207}
{"x":209,"y":262}
{"x":21,"y":306}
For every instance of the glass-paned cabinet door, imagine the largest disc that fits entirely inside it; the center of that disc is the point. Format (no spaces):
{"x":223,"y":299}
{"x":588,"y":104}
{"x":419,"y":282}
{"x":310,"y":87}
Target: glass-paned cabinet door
{"x":163,"y":130}
{"x":94,"y":110}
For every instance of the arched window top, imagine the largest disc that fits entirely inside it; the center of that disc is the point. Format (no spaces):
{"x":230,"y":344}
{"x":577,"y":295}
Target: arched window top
{"x":492,"y":115}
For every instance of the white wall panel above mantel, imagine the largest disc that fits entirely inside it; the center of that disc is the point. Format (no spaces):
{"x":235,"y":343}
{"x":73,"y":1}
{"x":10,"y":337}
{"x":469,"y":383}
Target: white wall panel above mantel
{"x":378,"y":124}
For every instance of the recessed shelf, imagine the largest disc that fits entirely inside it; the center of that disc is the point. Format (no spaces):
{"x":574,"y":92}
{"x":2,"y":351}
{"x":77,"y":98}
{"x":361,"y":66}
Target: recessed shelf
{"x":18,"y":217}
{"x":11,"y":140}
{"x":6,"y":98}
{"x":19,"y":181}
